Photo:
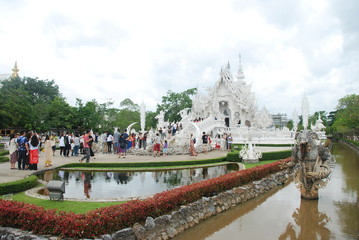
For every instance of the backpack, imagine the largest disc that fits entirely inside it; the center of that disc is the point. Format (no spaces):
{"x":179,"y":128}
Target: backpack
{"x":66,"y":140}
{"x":21,"y":143}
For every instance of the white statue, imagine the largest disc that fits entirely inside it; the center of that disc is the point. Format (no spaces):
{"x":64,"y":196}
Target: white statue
{"x":143,"y":116}
{"x":161,"y":119}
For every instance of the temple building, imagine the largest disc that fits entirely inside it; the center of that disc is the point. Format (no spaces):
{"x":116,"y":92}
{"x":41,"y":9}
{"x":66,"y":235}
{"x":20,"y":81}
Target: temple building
{"x":230,"y":100}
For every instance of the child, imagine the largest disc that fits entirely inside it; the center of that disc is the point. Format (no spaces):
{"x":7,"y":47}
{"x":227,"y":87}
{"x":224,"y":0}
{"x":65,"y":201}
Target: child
{"x":165,"y":148}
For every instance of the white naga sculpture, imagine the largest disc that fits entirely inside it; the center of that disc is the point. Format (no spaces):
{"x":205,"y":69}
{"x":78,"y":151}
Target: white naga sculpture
{"x":313,"y":157}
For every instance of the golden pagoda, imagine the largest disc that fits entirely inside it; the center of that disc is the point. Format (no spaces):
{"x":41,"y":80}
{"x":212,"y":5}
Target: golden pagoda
{"x":15,"y":71}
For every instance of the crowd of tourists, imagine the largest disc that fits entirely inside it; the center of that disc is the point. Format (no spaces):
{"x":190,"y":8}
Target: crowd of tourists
{"x":24,"y":147}
{"x":24,"y":150}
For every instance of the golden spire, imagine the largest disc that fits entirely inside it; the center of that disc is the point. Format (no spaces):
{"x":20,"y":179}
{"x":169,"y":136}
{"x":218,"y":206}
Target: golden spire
{"x":15,"y":71}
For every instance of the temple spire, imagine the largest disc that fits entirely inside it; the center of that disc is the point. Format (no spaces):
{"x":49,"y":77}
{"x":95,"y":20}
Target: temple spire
{"x":240,"y":74}
{"x":15,"y":71}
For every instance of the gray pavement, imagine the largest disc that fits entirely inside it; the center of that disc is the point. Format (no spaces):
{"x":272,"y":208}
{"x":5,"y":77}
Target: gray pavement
{"x":8,"y":175}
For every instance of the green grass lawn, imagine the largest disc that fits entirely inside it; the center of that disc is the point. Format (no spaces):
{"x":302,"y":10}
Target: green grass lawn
{"x":83,"y":207}
{"x":69,"y":206}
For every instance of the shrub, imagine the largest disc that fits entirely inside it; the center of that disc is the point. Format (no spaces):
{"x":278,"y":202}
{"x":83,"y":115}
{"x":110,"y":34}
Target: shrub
{"x":112,"y":218}
{"x":4,"y":159}
{"x":5,"y":152}
{"x":356,"y":143}
{"x":276,"y":155}
{"x":18,"y":186}
{"x":233,"y":156}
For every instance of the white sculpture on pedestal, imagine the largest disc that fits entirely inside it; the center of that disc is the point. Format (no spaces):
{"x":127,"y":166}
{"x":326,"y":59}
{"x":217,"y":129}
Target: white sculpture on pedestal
{"x":305,"y":111}
{"x":249,"y":154}
{"x":143,"y":116}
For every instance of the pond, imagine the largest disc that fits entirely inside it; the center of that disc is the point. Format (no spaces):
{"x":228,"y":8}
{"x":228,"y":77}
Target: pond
{"x":282,"y":214}
{"x":122,"y":185}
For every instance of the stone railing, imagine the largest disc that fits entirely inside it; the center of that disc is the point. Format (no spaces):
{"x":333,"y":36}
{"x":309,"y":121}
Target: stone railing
{"x":168,"y":226}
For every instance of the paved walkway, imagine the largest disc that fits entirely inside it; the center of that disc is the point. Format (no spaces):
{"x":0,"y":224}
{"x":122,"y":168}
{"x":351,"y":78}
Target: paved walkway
{"x":8,"y":175}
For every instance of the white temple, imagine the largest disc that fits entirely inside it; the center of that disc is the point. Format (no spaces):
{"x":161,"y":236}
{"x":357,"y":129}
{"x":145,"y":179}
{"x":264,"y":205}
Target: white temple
{"x":228,"y":100}
{"x":230,"y":107}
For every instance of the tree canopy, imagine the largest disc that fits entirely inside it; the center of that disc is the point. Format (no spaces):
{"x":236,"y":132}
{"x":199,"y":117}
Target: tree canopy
{"x":347,"y":115}
{"x":173,"y":103}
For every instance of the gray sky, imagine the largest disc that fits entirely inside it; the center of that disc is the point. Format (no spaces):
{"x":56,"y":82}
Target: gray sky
{"x":141,"y":49}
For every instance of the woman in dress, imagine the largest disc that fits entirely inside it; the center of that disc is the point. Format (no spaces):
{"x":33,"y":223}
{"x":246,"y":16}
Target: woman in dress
{"x":34,"y":152}
{"x":48,"y":151}
{"x":13,"y":151}
{"x":192,"y":150}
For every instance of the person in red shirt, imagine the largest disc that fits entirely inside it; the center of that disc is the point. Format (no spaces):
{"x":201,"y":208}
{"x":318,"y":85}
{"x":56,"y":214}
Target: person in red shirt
{"x":86,"y":147}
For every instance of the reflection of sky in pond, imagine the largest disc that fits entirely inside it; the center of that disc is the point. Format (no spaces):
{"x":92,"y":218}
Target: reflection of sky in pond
{"x":102,"y":185}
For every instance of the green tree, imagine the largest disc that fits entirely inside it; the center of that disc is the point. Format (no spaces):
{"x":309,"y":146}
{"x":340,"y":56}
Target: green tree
{"x":128,"y":114}
{"x":60,"y":115}
{"x":23,"y":102}
{"x":129,"y":105}
{"x":347,"y":115}
{"x":91,"y":115}
{"x":173,"y":102}
{"x":290,"y":124}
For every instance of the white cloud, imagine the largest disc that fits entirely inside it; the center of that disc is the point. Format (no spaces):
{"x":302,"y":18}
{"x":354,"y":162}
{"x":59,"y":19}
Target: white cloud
{"x":141,"y":49}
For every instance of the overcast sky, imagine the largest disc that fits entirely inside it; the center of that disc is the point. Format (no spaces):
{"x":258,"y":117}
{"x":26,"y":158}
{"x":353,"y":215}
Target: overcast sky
{"x":141,"y":49}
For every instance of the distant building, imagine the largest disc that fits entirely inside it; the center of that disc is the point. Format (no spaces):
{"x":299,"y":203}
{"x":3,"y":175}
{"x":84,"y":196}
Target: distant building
{"x":280,"y":120}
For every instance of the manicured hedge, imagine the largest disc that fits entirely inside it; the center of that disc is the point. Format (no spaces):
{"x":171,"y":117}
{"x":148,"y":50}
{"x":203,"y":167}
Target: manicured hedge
{"x":113,"y":218}
{"x":276,"y":155}
{"x":351,"y":141}
{"x":4,"y":159}
{"x":233,"y":156}
{"x":274,"y":145}
{"x":18,"y":186}
{"x":5,"y":152}
{"x":144,"y":164}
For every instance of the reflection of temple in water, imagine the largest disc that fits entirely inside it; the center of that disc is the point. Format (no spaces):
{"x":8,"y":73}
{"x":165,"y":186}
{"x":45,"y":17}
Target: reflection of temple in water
{"x":310,"y":222}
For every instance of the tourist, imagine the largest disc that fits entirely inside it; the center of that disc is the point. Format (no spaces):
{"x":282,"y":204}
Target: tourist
{"x":67,"y":141}
{"x":122,"y":145}
{"x":34,"y":144}
{"x":204,"y":142}
{"x":76,"y":143}
{"x":144,"y":141}
{"x":23,"y":151}
{"x":157,"y":145}
{"x":109,"y":141}
{"x":91,"y":144}
{"x":86,"y":147}
{"x":104,"y":142}
{"x":62,"y":144}
{"x":165,"y":148}
{"x":48,"y":151}
{"x":192,"y":150}
{"x":116,"y":138}
{"x":82,"y":143}
{"x":53,"y":143}
{"x":229,"y":142}
{"x":140,"y":140}
{"x":13,"y":150}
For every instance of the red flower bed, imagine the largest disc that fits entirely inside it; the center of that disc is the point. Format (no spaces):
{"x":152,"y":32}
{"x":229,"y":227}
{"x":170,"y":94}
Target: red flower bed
{"x":113,"y":218}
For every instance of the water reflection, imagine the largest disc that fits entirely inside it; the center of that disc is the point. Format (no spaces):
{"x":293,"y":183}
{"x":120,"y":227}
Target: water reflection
{"x":311,"y":223}
{"x":282,"y":214}
{"x":100,"y":185}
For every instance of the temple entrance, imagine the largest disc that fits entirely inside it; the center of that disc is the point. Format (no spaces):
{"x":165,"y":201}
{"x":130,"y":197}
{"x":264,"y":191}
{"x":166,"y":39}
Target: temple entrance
{"x":225,"y":110}
{"x":226,"y":121}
